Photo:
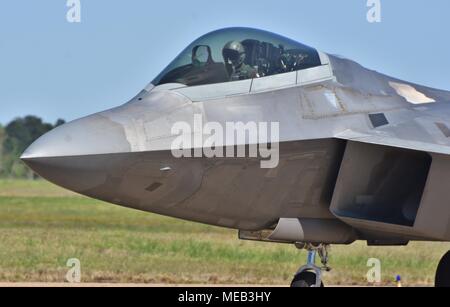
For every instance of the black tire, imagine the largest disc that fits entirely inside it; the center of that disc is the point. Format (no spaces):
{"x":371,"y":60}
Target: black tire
{"x":443,"y":272}
{"x":305,"y":280}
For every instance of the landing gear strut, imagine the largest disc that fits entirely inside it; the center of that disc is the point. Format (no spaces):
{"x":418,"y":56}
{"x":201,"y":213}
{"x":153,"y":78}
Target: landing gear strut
{"x":443,"y":272}
{"x":310,"y":275}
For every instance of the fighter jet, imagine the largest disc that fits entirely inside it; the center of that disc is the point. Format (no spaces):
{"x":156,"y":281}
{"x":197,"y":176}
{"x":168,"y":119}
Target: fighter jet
{"x":361,"y":155}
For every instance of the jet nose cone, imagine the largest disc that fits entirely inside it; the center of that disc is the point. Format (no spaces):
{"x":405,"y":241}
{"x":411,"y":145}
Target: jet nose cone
{"x":68,"y":155}
{"x":91,"y":135}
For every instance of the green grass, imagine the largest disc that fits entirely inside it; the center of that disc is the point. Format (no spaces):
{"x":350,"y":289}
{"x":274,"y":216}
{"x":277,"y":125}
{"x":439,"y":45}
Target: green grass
{"x":42,"y":226}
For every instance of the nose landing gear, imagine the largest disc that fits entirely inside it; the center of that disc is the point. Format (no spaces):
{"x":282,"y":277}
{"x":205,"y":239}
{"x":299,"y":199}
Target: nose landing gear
{"x":443,"y":272}
{"x":310,"y":275}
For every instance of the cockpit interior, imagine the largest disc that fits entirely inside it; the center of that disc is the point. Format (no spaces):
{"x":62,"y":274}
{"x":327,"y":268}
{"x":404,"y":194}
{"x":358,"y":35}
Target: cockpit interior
{"x":237,"y":54}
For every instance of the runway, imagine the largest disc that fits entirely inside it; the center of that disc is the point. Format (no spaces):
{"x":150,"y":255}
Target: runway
{"x":131,"y":285}
{"x":122,"y":285}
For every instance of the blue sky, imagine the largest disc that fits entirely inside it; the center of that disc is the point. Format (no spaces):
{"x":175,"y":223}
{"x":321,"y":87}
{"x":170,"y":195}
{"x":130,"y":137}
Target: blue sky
{"x":55,"y":69}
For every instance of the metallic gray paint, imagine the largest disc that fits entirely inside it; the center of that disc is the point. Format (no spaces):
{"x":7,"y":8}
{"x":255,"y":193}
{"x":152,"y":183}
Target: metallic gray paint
{"x":123,"y":155}
{"x":233,"y":193}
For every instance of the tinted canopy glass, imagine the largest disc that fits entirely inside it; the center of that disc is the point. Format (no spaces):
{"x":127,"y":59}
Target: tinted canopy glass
{"x":237,"y":54}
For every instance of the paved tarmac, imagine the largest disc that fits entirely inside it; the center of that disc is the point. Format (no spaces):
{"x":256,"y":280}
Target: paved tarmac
{"x":109,"y":285}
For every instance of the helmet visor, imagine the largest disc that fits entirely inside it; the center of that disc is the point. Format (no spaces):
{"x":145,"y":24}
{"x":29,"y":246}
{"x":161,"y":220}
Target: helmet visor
{"x":231,"y":55}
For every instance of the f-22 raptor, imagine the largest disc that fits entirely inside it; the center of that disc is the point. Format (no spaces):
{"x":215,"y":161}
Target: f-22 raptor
{"x":362,"y":156}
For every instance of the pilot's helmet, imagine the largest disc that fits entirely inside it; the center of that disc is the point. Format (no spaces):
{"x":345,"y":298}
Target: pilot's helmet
{"x":234,"y":53}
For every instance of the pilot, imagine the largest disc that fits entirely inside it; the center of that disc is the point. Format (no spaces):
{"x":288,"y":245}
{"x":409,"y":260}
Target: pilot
{"x":234,"y":56}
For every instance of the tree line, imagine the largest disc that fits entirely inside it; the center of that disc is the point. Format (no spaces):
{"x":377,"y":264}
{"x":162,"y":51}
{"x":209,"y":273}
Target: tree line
{"x":15,"y":137}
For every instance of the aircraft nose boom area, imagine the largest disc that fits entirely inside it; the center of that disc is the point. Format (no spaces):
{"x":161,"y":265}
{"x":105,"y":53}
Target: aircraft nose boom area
{"x":64,"y":155}
{"x":88,"y":136}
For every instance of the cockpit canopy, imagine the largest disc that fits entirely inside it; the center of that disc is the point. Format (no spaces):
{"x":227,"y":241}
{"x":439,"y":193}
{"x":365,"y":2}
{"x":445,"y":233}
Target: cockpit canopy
{"x":237,"y":54}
